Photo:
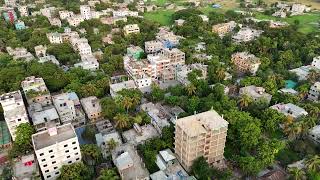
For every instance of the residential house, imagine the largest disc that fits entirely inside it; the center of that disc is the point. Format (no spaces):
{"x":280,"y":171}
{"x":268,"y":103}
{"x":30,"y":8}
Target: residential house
{"x":40,"y":50}
{"x":131,"y":29}
{"x":183,"y":71}
{"x":158,"y":116}
{"x":115,"y":88}
{"x":153,"y":47}
{"x":25,"y":167}
{"x":102,"y":140}
{"x":135,"y":51}
{"x":10,"y":3}
{"x":314,"y":134}
{"x":5,"y":138}
{"x":92,"y":108}
{"x":75,"y":20}
{"x":10,"y":15}
{"x":316,"y":62}
{"x":69,"y":108}
{"x":88,"y":62}
{"x":23,"y":10}
{"x":256,"y":93}
{"x":65,"y":14}
{"x":20,"y":53}
{"x":36,"y":91}
{"x":246,"y":34}
{"x":19,"y":25}
{"x":54,"y":38}
{"x":55,"y":147}
{"x":129,"y":163}
{"x":314,"y":92}
{"x":55,"y":22}
{"x":139,"y":134}
{"x":85,"y":12}
{"x":290,"y":109}
{"x":42,"y":115}
{"x":14,"y":112}
{"x":224,"y":28}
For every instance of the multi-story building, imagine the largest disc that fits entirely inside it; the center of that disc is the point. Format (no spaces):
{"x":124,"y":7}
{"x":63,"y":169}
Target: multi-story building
{"x":135,"y":51}
{"x":10,"y":3}
{"x":245,"y":62}
{"x":55,"y":22}
{"x":20,"y":53}
{"x":54,"y":38}
{"x":48,"y":11}
{"x":290,"y":109}
{"x":198,"y":135}
{"x":65,"y":14}
{"x":84,"y":49}
{"x":25,"y":167}
{"x":42,"y":115}
{"x":316,"y":62}
{"x":256,"y":93}
{"x":152,"y":47}
{"x":19,"y":25}
{"x":40,"y":50}
{"x":23,"y":10}
{"x":92,"y":108}
{"x":176,"y":56}
{"x":14,"y":111}
{"x":85,"y":12}
{"x":117,"y":87}
{"x":224,"y":28}
{"x":131,"y":29}
{"x":36,"y":91}
{"x":10,"y":15}
{"x":168,"y":38}
{"x":69,"y":108}
{"x":75,"y":20}
{"x":314,"y":92}
{"x":183,"y":71}
{"x":56,"y":147}
{"x":88,"y":62}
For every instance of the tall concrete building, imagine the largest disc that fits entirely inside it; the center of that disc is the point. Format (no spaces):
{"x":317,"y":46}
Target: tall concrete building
{"x":85,"y":12}
{"x":56,"y":147}
{"x":199,"y":135}
{"x":14,"y":111}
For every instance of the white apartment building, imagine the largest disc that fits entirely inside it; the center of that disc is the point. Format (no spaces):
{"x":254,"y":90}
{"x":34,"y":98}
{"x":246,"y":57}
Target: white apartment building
{"x":246,"y":34}
{"x":290,"y":109}
{"x":316,"y":62}
{"x":69,"y":108}
{"x":14,"y":111}
{"x":124,"y":13}
{"x":85,"y":12}
{"x":23,"y":10}
{"x":84,"y":49}
{"x":152,"y":47}
{"x":198,"y":135}
{"x":47,"y":12}
{"x":36,"y":91}
{"x":40,"y":50}
{"x":54,"y":148}
{"x":42,"y":115}
{"x":176,"y":56}
{"x":314,"y":92}
{"x":20,"y":53}
{"x":55,"y":22}
{"x":55,"y":38}
{"x":88,"y":62}
{"x":131,"y":29}
{"x":65,"y":14}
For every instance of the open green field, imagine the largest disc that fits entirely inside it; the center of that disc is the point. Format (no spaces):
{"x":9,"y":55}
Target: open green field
{"x":162,"y":16}
{"x":308,"y":22}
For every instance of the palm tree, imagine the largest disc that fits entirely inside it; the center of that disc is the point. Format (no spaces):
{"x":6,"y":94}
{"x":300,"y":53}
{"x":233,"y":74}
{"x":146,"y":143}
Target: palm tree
{"x":221,"y":73}
{"x":112,"y":144}
{"x":122,"y":120}
{"x":294,"y":130}
{"x":91,"y":153}
{"x":313,"y":75}
{"x":108,"y":174}
{"x":313,"y":164}
{"x":137,"y":119}
{"x":297,"y":174}
{"x":245,"y":101}
{"x":127,"y":103}
{"x":191,"y":89}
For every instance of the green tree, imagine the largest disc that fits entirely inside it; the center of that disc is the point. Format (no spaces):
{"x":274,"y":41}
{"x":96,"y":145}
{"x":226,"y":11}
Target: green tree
{"x":112,"y":144}
{"x":22,"y":144}
{"x":108,"y":174}
{"x":245,"y":100}
{"x":91,"y":153}
{"x":191,"y":89}
{"x":313,"y":163}
{"x":297,"y":174}
{"x":122,"y":120}
{"x":77,"y":171}
{"x":157,"y":94}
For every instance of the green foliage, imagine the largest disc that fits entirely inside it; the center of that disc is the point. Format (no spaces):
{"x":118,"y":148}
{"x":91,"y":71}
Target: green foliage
{"x":91,"y":154}
{"x":108,"y":174}
{"x":64,"y":53}
{"x":89,"y":133}
{"x":157,"y":94}
{"x":22,"y":144}
{"x":75,"y":171}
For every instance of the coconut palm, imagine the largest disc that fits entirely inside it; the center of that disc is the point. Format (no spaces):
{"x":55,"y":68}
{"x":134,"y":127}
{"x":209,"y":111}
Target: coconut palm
{"x":112,"y":144}
{"x":297,"y":174}
{"x":313,"y":75}
{"x":137,"y":119}
{"x":127,"y":103}
{"x":245,"y":101}
{"x":294,"y":130}
{"x":191,"y":89}
{"x":313,"y":164}
{"x":122,"y":120}
{"x":91,"y":153}
{"x":221,"y":73}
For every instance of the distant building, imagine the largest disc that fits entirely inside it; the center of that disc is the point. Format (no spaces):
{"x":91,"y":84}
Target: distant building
{"x":139,"y":134}
{"x":131,"y":29}
{"x":303,"y":71}
{"x":23,"y":10}
{"x":246,"y":34}
{"x":85,"y":12}
{"x":152,"y":47}
{"x":14,"y":112}
{"x":183,"y":71}
{"x":49,"y":58}
{"x":54,"y":148}
{"x":88,"y":62}
{"x":316,"y":62}
{"x":256,"y":93}
{"x":129,"y":163}
{"x":314,"y":134}
{"x":198,"y":135}
{"x":168,"y":38}
{"x":10,"y":15}
{"x":55,"y":22}
{"x":42,"y":115}
{"x":314,"y":92}
{"x":290,"y":110}
{"x":102,"y":140}
{"x":20,"y":53}
{"x":92,"y":108}
{"x":204,"y":18}
{"x":40,"y":50}
{"x":176,"y":56}
{"x":69,"y":108}
{"x":245,"y":62}
{"x":158,"y":117}
{"x":54,"y":38}
{"x":19,"y":25}
{"x":75,"y":20}
{"x":65,"y":14}
{"x":10,"y":3}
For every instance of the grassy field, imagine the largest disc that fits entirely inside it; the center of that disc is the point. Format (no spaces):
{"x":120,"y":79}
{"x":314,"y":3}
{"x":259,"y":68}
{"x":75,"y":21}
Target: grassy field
{"x":162,"y":16}
{"x":308,"y":22}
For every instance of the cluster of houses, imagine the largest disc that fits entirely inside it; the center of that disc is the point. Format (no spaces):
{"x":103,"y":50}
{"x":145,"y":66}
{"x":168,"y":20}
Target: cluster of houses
{"x":293,"y":9}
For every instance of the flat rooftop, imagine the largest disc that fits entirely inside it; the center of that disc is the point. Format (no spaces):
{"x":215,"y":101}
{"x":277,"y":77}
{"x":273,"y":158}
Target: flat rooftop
{"x":201,"y":123}
{"x":147,"y":132}
{"x":43,"y":139}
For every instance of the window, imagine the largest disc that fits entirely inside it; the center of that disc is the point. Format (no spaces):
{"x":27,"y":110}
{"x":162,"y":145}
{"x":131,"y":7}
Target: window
{"x":42,"y":160}
{"x":68,"y":156}
{"x":74,"y":142}
{"x":70,"y":162}
{"x":50,"y":151}
{"x":19,"y":119}
{"x":46,"y":171}
{"x":41,"y":154}
{"x":76,"y":153}
{"x":55,"y":167}
{"x":66,"y":145}
{"x":52,"y":157}
{"x":67,"y":151}
{"x":57,"y":172}
{"x":49,"y":176}
{"x":77,"y":159}
{"x":75,"y":148}
{"x":45,"y":165}
{"x":53,"y":162}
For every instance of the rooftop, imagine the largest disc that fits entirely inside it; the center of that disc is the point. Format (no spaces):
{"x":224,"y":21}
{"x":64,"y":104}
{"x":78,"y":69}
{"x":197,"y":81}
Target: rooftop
{"x":43,"y":139}
{"x":290,"y":110}
{"x":139,"y":134}
{"x":123,"y":85}
{"x":44,"y":115}
{"x":201,"y":123}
